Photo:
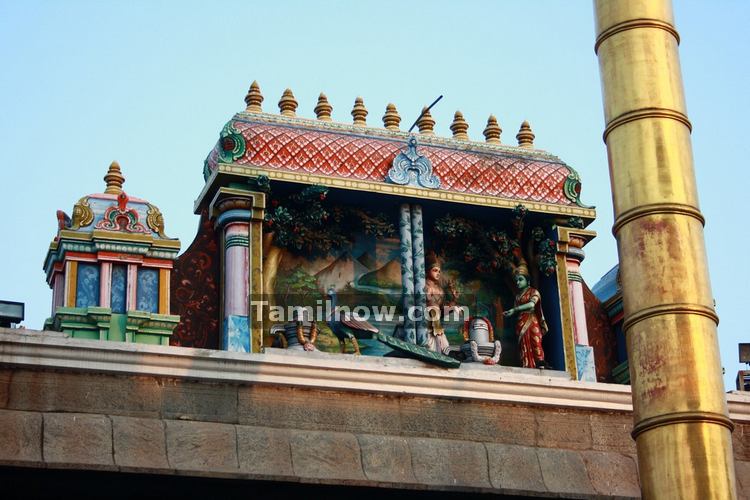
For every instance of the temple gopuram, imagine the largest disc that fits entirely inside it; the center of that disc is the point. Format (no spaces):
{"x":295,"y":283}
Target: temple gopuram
{"x":374,"y":310}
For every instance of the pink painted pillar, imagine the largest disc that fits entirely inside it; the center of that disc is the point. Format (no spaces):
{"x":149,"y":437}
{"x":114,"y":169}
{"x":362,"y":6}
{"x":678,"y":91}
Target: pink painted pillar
{"x":236,"y":269}
{"x":132,"y":287}
{"x":233,"y":221}
{"x":573,"y":258}
{"x":584,"y":353}
{"x":575,"y":287}
{"x":105,"y":284}
{"x":238,"y":217}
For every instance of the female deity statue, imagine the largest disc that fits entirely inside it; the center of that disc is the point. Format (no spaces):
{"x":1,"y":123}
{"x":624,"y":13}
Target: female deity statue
{"x":530,"y":326}
{"x":437,"y":305}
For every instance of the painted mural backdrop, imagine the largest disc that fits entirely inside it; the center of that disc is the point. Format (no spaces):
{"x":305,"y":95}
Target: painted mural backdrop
{"x":479,"y":261}
{"x":312,"y":247}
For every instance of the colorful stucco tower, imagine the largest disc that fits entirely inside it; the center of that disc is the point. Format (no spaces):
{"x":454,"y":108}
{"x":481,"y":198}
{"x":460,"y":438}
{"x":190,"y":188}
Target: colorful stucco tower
{"x":109,"y":268}
{"x":294,"y":207}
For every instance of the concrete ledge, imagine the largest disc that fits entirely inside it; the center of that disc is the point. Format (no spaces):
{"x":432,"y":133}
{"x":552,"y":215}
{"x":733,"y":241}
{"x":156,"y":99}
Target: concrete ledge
{"x":30,"y":348}
{"x":324,"y":371}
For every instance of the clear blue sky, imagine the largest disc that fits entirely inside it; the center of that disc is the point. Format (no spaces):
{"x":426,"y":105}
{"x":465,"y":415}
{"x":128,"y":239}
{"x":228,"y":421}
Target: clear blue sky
{"x":150,"y":84}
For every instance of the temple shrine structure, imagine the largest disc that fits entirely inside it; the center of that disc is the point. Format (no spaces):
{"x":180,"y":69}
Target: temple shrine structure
{"x":374,"y":310}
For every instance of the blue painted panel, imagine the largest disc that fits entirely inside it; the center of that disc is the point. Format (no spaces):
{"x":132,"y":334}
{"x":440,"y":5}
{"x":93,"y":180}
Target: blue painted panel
{"x":585,"y":363}
{"x":236,"y":334}
{"x":87,"y":285}
{"x":118,"y":295}
{"x":147,"y":293}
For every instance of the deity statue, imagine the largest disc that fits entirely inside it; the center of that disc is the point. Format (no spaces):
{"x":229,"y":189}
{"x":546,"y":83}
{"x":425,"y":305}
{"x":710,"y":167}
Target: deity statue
{"x":437,"y":304}
{"x":530,"y":326}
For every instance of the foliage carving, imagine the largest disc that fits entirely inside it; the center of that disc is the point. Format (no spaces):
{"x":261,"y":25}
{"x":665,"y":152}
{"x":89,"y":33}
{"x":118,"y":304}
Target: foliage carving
{"x":306,"y":224}
{"x":492,"y":250}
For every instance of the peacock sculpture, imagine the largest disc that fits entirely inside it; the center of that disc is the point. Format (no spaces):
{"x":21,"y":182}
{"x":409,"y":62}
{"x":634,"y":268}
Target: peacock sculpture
{"x":344,"y":326}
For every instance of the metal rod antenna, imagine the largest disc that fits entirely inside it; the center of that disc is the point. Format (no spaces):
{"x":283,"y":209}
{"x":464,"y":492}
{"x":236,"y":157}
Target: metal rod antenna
{"x":425,"y":110}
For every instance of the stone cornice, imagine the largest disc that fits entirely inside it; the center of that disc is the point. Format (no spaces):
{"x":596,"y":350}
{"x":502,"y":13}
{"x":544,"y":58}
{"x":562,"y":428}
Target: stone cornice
{"x":52,"y":350}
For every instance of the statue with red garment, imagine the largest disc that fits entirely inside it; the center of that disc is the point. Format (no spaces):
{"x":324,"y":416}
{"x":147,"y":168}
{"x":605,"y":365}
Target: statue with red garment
{"x":530,"y":325}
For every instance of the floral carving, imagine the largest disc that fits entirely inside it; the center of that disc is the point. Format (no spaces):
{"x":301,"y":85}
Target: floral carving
{"x":195,"y":294}
{"x":121,"y":218}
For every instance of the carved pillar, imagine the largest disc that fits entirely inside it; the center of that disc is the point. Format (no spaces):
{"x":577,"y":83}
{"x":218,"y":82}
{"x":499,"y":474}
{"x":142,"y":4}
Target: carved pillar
{"x":235,"y":321}
{"x":409,"y":168}
{"x":407,"y":272}
{"x":255,"y":275}
{"x":570,"y":243}
{"x":236,"y":214}
{"x":682,"y":429}
{"x":420,"y":299}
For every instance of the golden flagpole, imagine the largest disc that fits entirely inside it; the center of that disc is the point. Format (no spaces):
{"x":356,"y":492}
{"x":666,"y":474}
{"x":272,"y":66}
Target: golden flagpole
{"x":681,"y":425}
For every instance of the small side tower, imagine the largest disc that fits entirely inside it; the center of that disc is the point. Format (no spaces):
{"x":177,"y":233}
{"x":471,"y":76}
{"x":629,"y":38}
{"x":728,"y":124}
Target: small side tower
{"x":109,"y":268}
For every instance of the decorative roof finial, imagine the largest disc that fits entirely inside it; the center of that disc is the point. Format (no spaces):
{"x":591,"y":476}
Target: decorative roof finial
{"x":426,"y":123}
{"x":359,"y":112}
{"x":288,"y":104}
{"x":409,"y":168}
{"x":525,"y":136}
{"x":254,"y":98}
{"x":492,"y":131}
{"x":323,"y":108}
{"x":114,"y":179}
{"x":391,"y":118}
{"x":459,"y":127}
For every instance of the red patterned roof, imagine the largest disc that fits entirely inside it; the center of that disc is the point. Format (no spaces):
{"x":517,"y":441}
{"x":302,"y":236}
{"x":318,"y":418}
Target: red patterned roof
{"x":522,"y":175}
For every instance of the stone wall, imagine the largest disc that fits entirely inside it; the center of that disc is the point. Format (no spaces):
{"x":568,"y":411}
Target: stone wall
{"x":67,"y":417}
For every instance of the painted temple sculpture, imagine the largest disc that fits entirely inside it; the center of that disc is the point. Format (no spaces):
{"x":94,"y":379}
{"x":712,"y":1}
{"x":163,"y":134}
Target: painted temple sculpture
{"x":109,"y":268}
{"x":323,"y":236}
{"x":530,"y":326}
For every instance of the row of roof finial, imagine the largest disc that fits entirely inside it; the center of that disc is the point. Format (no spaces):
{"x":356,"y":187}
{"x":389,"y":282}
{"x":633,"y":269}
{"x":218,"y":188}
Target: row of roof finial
{"x":391,"y":119}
